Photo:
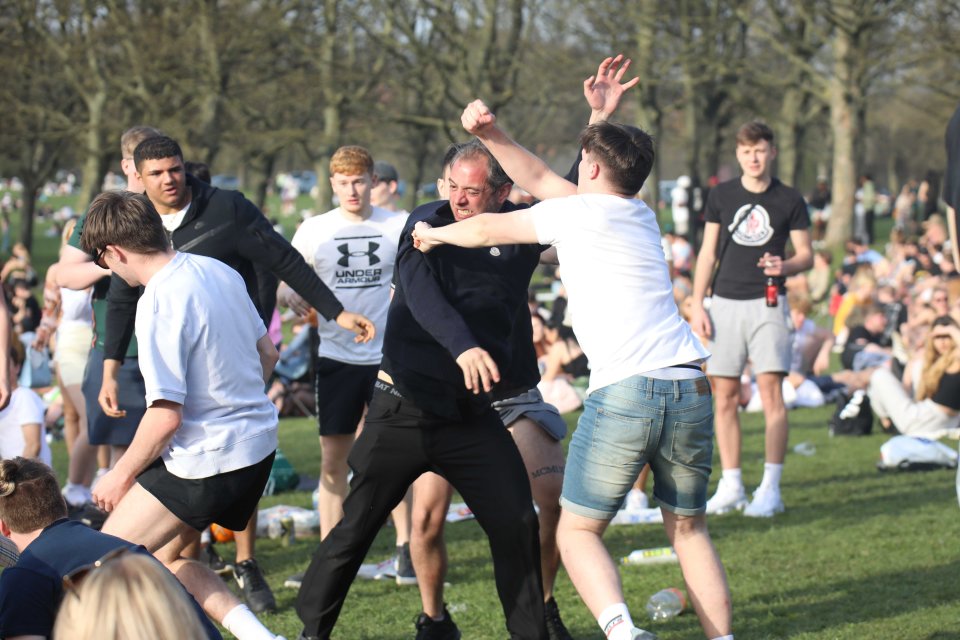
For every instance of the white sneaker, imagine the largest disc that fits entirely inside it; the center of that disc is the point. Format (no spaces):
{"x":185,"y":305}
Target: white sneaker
{"x":766,"y":502}
{"x":727,"y":498}
{"x":76,"y":495}
{"x":636,"y":501}
{"x":640,"y":634}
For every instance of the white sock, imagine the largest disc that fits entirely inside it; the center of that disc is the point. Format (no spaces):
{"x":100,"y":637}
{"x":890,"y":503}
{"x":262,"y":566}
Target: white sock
{"x":771,"y":475}
{"x":733,"y":477}
{"x":729,"y":637}
{"x":244,"y":625}
{"x":616,"y":622}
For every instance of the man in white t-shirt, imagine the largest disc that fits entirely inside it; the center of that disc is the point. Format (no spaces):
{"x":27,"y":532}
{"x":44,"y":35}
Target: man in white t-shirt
{"x":648,"y":400}
{"x":21,"y":422}
{"x":352,"y":249}
{"x":205,"y":446}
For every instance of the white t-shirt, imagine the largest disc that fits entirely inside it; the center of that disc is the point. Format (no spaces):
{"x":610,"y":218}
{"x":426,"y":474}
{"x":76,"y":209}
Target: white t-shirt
{"x":618,"y":285}
{"x":25,"y":407}
{"x":198,"y":330}
{"x":172,"y":221}
{"x":354,"y":259}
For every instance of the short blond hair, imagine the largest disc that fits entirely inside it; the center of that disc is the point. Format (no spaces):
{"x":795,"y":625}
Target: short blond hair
{"x":134,"y":136}
{"x":351,"y":161}
{"x":131,"y":597}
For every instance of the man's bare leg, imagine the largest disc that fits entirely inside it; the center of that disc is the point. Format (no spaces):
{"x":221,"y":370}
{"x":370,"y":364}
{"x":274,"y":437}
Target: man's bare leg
{"x":543,"y":458}
{"x":726,"y":392}
{"x":402,"y":518}
{"x":588,"y":563}
{"x":333,"y":480}
{"x":431,"y":499}
{"x":770,"y":386}
{"x":142,"y":519}
{"x":702,"y":571}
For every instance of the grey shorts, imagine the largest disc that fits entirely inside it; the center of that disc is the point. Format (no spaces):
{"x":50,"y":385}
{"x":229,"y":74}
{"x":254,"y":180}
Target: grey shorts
{"x":531,"y":405}
{"x":749,"y":329}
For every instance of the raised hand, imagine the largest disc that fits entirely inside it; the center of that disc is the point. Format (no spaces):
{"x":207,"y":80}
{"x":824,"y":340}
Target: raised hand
{"x":477,"y":117}
{"x":604,"y":90}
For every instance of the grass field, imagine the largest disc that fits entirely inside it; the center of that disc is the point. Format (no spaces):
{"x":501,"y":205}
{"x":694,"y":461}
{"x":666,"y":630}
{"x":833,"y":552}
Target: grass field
{"x":858,"y":554}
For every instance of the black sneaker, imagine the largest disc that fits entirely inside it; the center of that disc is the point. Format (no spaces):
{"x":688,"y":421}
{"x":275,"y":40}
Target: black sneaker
{"x":254,"y":587}
{"x":404,"y":566}
{"x":555,"y":628}
{"x":89,"y":514}
{"x":212,"y":559}
{"x":430,"y":629}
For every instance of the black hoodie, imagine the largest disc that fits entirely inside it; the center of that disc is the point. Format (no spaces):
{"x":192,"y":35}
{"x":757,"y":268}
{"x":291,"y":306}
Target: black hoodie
{"x":224,"y":225}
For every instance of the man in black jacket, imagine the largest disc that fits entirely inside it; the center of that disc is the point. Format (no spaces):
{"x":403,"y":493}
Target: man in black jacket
{"x":204,"y":220}
{"x":449,"y":334}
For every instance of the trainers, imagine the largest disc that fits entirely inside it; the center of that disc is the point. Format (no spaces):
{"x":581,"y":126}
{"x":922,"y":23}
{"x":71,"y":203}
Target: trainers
{"x":212,"y":559}
{"x":555,"y":628}
{"x":404,"y":566}
{"x":640,"y":634}
{"x":430,"y":629}
{"x":254,"y":587}
{"x":76,"y":495}
{"x":726,"y":499}
{"x":766,"y":502}
{"x":294,"y":581}
{"x":636,"y":501}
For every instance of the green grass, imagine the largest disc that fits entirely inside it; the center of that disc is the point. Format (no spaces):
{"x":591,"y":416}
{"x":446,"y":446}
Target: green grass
{"x":858,"y":554}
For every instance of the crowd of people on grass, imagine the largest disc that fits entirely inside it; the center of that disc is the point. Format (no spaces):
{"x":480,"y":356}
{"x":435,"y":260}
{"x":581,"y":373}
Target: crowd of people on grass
{"x":431,"y":365}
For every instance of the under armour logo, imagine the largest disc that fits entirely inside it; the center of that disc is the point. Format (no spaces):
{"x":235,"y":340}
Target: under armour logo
{"x":344,"y":250}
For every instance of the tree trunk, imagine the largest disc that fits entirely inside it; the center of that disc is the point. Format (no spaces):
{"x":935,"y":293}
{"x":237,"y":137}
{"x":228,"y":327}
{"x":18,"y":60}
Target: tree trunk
{"x":843,"y":122}
{"x":787,"y":148}
{"x":31,"y":191}
{"x":95,"y":153}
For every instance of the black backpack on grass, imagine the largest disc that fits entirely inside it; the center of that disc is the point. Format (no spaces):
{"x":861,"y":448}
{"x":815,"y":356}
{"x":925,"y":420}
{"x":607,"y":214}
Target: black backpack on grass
{"x":853,"y":416}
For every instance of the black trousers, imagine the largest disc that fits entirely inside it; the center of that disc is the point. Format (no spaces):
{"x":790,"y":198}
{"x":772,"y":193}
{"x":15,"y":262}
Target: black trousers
{"x":478,"y":457}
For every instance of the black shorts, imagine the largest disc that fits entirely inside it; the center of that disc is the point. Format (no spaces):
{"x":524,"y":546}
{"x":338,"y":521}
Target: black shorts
{"x":227,"y":499}
{"x":102,"y":429}
{"x":343,"y":390}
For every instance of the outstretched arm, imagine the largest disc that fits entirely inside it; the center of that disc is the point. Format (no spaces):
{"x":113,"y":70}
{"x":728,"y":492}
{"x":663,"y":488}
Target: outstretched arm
{"x":527,"y":170}
{"x":484,"y":230}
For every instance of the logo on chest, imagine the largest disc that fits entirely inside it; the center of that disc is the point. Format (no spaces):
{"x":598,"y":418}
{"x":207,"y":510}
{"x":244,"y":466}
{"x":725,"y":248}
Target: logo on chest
{"x":346,"y":253}
{"x":754,"y":228}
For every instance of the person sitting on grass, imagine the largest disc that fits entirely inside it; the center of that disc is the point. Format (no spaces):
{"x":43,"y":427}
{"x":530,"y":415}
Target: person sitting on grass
{"x":136,"y":598}
{"x":33,"y":515}
{"x":22,"y":431}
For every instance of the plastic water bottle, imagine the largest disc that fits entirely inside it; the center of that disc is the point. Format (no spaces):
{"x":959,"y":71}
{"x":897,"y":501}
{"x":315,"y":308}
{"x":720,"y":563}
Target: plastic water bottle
{"x":658,"y":555}
{"x":805,"y":448}
{"x":665,"y":604}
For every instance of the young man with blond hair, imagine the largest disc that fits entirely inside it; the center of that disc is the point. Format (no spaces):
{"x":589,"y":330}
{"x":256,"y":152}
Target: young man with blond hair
{"x":352,"y":249}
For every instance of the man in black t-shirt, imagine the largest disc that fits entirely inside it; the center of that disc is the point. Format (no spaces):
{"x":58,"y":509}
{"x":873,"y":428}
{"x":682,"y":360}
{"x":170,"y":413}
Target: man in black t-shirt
{"x":867,"y":344}
{"x":748,"y":223}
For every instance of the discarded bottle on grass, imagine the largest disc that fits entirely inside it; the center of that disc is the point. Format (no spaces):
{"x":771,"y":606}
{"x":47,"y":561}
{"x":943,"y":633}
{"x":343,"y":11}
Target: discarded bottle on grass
{"x":666,"y":604}
{"x":658,"y":555}
{"x":805,"y":448}
{"x":283,"y":528}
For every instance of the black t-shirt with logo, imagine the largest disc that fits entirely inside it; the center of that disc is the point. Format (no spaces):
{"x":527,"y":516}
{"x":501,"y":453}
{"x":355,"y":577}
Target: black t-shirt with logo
{"x":759,"y":223}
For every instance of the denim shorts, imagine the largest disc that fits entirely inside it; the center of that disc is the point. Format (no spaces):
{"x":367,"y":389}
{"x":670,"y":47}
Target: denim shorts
{"x":640,"y":420}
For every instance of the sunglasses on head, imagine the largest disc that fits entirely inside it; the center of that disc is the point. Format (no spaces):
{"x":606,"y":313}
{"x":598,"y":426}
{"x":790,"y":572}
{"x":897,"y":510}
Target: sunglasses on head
{"x":98,"y":259}
{"x":73,"y":580}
